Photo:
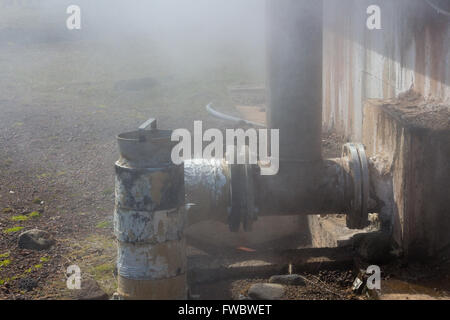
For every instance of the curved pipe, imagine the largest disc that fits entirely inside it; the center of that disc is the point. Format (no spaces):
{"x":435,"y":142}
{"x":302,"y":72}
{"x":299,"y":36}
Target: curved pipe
{"x":226,"y":117}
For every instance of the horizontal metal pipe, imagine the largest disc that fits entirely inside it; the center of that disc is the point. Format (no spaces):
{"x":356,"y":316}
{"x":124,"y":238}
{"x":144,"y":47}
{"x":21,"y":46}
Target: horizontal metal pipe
{"x":207,"y":184}
{"x":303,"y":189}
{"x":297,"y":190}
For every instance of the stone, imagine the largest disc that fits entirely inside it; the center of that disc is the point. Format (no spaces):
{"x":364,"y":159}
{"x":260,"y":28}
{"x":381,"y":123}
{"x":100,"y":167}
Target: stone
{"x":288,"y":279}
{"x":35,"y":239}
{"x":27,"y":284}
{"x":90,"y":290}
{"x":266,"y":291}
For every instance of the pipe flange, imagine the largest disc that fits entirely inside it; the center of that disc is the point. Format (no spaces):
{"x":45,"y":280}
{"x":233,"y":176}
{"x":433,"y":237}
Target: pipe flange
{"x":242,"y":197}
{"x":357,"y":185}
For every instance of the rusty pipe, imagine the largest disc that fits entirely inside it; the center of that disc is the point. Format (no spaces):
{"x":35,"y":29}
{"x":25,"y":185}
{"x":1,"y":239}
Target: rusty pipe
{"x":149,"y":218}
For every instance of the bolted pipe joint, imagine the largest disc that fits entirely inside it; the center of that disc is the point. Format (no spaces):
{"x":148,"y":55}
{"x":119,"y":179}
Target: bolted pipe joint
{"x":149,"y":217}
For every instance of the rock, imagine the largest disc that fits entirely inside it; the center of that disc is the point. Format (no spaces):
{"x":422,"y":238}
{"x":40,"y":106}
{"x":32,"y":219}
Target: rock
{"x":90,"y":290}
{"x":27,"y":284}
{"x":375,"y":248}
{"x":35,"y":240}
{"x":266,"y":291}
{"x":288,"y":279}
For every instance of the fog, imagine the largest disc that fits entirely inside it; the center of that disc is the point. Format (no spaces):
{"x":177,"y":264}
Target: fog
{"x":186,"y":32}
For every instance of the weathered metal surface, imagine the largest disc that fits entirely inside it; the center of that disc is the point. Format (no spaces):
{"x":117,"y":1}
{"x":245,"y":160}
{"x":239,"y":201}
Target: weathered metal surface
{"x":412,"y":51}
{"x":303,"y":189}
{"x":149,"y":217}
{"x":357,"y":185}
{"x":143,"y":261}
{"x":165,"y":289}
{"x":148,"y":227}
{"x":149,"y":189}
{"x":145,"y":149}
{"x":207,"y":184}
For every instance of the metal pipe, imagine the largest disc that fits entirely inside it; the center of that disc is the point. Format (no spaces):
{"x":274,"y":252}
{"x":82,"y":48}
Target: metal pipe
{"x":207,"y":184}
{"x":149,"y":218}
{"x":294,"y":77}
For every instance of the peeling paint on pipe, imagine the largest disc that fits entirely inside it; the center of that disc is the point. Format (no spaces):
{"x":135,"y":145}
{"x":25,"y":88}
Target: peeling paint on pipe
{"x":149,"y":218}
{"x":207,"y":184}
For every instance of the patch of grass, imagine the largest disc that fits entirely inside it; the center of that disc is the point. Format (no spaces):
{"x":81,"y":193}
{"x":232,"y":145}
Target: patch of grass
{"x":5,"y":263}
{"x":4,"y":255}
{"x":103,"y":271}
{"x":34,"y":214}
{"x":44,"y":259}
{"x":103,"y":268}
{"x":29,"y":270}
{"x":12,"y":230}
{"x":37,"y":201}
{"x":7,"y":210}
{"x":104,"y":224}
{"x":20,"y":218}
{"x":38,"y":266}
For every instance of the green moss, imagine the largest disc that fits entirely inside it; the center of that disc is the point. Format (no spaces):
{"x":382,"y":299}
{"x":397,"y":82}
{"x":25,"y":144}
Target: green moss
{"x":4,"y":255}
{"x":12,"y":230}
{"x":20,"y":218}
{"x":29,"y":270}
{"x":7,"y":210}
{"x":102,"y":271}
{"x":44,"y":259}
{"x":34,"y":214}
{"x":5,"y":263}
{"x":38,"y":266}
{"x":104,"y":224}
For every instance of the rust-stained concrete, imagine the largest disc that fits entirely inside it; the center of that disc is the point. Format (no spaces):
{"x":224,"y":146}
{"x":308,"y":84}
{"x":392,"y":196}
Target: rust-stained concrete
{"x":408,"y":141}
{"x":411,"y":51}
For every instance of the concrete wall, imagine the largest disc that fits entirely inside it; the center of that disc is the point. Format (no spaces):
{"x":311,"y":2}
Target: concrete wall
{"x":411,"y":51}
{"x":410,"y":151}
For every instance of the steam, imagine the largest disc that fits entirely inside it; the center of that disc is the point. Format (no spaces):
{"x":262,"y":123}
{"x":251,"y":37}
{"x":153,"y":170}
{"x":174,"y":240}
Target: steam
{"x":188,"y":32}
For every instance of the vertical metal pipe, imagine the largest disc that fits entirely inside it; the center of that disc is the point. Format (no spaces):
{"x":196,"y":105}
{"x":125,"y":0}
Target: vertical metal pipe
{"x":149,"y":218}
{"x":294,"y":76}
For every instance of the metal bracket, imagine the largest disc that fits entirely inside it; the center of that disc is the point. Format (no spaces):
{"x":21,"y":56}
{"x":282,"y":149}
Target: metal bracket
{"x":357,"y":185}
{"x":243,"y":208}
{"x":150,"y":123}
